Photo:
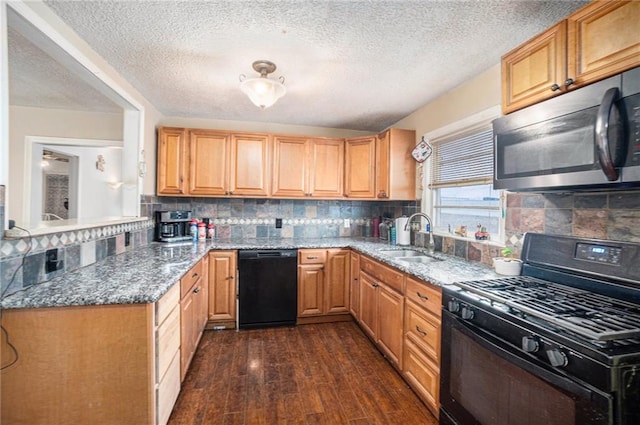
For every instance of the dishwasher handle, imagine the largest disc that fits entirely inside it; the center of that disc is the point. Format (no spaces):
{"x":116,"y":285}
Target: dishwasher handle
{"x":251,"y":254}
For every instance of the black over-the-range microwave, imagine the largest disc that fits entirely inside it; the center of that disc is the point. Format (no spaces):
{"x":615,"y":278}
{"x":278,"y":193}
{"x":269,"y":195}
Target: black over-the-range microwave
{"x":588,"y":139}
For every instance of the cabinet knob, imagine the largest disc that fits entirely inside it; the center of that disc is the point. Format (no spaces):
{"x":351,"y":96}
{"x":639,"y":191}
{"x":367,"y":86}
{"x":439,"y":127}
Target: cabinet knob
{"x":312,"y":258}
{"x":374,"y":284}
{"x":568,"y":82}
{"x":229,"y":277}
{"x":555,"y":87}
{"x":422,"y":297}
{"x":420,"y":331}
{"x":196,"y":290}
{"x":194,"y":276}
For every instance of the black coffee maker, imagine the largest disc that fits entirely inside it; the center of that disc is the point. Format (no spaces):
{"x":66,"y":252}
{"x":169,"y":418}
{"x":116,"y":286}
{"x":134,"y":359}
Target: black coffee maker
{"x":172,"y":226}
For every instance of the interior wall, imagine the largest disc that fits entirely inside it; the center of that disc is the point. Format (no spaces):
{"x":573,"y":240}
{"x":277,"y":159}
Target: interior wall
{"x":27,"y":121}
{"x":473,"y":96}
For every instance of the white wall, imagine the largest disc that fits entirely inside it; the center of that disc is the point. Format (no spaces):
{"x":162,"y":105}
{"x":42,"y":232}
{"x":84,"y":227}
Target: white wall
{"x":24,"y":121}
{"x":473,"y":96}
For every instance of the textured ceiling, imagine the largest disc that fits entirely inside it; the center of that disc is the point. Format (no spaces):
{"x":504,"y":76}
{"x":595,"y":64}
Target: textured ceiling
{"x":360,"y":65}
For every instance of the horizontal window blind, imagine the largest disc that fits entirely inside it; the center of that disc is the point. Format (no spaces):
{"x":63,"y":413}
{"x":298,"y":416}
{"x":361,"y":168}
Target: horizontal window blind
{"x":464,"y":161}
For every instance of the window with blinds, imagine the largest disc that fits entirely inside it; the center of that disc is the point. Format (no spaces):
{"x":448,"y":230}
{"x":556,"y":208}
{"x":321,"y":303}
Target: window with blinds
{"x":462,"y":195}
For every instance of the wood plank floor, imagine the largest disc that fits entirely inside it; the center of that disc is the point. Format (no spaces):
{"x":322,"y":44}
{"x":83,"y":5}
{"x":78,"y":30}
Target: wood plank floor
{"x":309,"y":374}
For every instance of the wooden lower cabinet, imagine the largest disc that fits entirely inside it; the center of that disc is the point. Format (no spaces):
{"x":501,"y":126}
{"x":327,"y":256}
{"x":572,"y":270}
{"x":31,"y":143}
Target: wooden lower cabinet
{"x":105,"y":364}
{"x":354,"y":296}
{"x":323,"y":282}
{"x":382,"y":310}
{"x":222,"y":288}
{"x":193,"y":314}
{"x":423,"y":375}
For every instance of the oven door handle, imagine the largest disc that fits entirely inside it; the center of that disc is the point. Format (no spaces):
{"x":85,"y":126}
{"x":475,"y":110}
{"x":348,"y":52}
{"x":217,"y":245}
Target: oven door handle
{"x":515,"y":356}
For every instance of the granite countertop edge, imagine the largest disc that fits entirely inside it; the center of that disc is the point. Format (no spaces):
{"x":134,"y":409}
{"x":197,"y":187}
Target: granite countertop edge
{"x":145,"y":274}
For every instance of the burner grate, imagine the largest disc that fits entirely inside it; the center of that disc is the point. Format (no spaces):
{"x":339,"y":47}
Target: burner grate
{"x":594,"y":316}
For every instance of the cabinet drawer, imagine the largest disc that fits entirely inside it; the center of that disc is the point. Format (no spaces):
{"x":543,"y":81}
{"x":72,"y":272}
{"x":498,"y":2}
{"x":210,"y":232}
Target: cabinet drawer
{"x":422,"y":375}
{"x":426,"y":296}
{"x":390,"y":277}
{"x":167,"y":303}
{"x":312,"y":256}
{"x":423,"y":329}
{"x":167,"y":391}
{"x":190,"y":278}
{"x":167,"y":342}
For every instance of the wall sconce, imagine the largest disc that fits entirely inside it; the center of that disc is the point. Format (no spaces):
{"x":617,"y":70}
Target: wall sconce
{"x":142,"y":166}
{"x":262,"y":90}
{"x":100,"y":163}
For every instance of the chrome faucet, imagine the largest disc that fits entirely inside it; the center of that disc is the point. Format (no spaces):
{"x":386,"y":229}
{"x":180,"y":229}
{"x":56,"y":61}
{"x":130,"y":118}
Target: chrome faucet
{"x":421,"y":214}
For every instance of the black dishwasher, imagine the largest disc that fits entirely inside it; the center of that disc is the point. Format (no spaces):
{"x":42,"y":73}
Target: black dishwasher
{"x":267,"y":288}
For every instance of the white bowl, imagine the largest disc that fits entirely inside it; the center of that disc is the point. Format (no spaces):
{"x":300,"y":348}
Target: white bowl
{"x":507,"y":266}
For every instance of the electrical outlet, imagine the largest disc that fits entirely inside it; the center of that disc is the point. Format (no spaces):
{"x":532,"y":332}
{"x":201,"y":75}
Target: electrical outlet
{"x":278,"y":223}
{"x":347,"y":223}
{"x":52,"y":263}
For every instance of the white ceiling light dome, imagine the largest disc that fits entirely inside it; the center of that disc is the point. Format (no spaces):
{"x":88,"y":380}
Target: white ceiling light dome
{"x":263,"y":91}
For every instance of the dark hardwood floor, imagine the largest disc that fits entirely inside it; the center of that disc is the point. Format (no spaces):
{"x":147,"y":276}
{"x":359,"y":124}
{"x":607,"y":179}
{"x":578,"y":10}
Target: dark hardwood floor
{"x":309,"y":374}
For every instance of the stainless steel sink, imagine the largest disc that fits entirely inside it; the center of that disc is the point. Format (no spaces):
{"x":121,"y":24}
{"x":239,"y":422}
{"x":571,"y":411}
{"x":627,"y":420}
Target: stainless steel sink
{"x":401,"y":253}
{"x":424,"y":259}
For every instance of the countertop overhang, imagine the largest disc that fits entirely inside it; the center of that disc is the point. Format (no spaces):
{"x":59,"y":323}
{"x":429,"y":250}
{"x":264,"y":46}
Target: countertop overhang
{"x":143,"y":275}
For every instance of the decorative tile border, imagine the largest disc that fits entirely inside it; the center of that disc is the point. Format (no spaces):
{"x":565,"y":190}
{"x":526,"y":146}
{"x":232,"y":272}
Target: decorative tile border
{"x":14,"y":247}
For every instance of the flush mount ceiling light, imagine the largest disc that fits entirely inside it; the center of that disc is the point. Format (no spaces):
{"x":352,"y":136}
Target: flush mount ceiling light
{"x":262,"y":90}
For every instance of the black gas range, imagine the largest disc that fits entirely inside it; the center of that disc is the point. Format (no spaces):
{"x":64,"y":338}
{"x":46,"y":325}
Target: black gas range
{"x":566,"y":334}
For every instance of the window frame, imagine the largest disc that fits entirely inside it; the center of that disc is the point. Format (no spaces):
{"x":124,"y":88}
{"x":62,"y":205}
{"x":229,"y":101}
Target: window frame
{"x":475,"y":123}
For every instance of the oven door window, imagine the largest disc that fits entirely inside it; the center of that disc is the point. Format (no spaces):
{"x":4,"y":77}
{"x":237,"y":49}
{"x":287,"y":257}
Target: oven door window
{"x":481,"y":386}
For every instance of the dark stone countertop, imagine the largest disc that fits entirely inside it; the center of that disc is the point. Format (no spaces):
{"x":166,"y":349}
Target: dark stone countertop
{"x":145,"y":274}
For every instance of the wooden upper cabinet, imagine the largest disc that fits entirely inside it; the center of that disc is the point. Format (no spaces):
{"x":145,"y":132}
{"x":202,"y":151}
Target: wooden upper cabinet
{"x":360,"y":167}
{"x":536,"y":70}
{"x":603,"y":40}
{"x":289,"y":166}
{"x":249,"y":165}
{"x":325,"y":178}
{"x":172,"y":161}
{"x":212,"y":163}
{"x":304,"y":167}
{"x":395,"y":167}
{"x":209,"y":158}
{"x":599,"y":40}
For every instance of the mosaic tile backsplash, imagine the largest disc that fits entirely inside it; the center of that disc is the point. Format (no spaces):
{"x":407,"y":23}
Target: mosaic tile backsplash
{"x":602,"y":215}
{"x":255,"y":218}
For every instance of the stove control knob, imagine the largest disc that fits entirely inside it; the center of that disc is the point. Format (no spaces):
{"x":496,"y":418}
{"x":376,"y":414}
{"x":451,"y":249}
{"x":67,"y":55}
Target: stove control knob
{"x":453,"y":306}
{"x":530,"y":344}
{"x":557,"y":358}
{"x":467,"y":313}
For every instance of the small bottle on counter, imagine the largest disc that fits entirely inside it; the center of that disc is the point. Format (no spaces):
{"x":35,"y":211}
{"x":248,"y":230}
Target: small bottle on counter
{"x":202,"y":231}
{"x":211,"y":231}
{"x":368,"y":231}
{"x":392,"y":235}
{"x":193,"y":229}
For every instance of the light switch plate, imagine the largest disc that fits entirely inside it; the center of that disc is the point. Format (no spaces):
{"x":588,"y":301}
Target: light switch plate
{"x":347,"y":223}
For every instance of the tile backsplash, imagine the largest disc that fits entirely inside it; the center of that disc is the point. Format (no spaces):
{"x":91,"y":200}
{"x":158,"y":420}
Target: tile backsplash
{"x":600,"y":215}
{"x":255,"y":218}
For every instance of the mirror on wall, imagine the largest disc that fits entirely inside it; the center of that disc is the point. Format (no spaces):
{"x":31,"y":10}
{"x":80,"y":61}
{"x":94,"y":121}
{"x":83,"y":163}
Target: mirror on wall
{"x":52,"y":96}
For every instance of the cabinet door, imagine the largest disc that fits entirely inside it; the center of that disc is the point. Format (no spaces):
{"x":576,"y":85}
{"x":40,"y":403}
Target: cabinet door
{"x":368,"y":305}
{"x":354,"y":302}
{"x":603,"y":40}
{"x":337,"y":289}
{"x":360,"y":162}
{"x":423,"y":375}
{"x":203,"y":304}
{"x":326,"y":167}
{"x":249,"y":165}
{"x":222,"y":286}
{"x":531,"y":72}
{"x":187,"y":325}
{"x":395,"y":167}
{"x":289,"y":166}
{"x":310,"y":289}
{"x":209,"y":156}
{"x":390,"y":320}
{"x":172,"y":161}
